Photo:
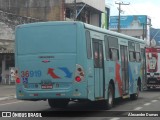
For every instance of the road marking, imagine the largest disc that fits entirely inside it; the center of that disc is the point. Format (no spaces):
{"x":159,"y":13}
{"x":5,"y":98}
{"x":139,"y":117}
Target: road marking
{"x":8,"y":98}
{"x":4,"y":98}
{"x":154,"y":100}
{"x":10,"y":103}
{"x":138,"y":108}
{"x":147,"y":104}
{"x":115,"y":119}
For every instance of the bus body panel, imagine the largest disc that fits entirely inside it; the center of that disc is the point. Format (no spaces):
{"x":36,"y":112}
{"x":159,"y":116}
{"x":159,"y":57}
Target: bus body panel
{"x":49,"y":57}
{"x":113,"y":72}
{"x":45,"y":70}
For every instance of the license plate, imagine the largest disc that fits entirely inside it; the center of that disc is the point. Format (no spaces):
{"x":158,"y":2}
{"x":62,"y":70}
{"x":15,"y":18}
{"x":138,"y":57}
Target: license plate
{"x":47,"y":86}
{"x":152,"y":81}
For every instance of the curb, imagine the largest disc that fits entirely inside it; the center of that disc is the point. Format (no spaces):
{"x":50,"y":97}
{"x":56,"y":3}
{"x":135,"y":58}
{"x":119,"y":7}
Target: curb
{"x":8,"y":98}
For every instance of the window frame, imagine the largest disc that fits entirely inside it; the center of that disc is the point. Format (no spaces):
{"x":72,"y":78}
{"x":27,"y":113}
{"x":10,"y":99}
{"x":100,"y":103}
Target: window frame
{"x":130,"y":44}
{"x":137,"y":51}
{"x":138,"y":59}
{"x":88,"y":44}
{"x":106,"y":47}
{"x":111,"y":48}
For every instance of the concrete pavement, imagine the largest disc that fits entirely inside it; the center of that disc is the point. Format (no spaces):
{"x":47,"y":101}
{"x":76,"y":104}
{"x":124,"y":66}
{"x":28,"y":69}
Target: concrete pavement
{"x":7,"y":92}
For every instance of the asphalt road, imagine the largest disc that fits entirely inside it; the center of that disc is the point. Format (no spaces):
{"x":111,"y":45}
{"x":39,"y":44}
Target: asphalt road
{"x":148,"y":101}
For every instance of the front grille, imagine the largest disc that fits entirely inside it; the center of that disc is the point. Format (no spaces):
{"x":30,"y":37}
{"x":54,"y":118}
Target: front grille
{"x":156,"y":73}
{"x":153,"y":81}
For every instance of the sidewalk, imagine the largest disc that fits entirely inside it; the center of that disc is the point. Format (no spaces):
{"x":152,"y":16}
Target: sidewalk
{"x":7,"y":92}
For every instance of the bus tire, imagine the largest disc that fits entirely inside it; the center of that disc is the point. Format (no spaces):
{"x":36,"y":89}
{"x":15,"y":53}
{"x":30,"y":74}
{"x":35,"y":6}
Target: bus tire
{"x":58,"y":103}
{"x":139,"y":85}
{"x":135,"y":95}
{"x":109,"y":101}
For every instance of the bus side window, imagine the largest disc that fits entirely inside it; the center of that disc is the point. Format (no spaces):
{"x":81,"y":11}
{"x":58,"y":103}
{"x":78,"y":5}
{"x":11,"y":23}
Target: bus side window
{"x":137,"y":52}
{"x":113,"y":48}
{"x":114,"y":54}
{"x":88,"y":42}
{"x":132,"y":54}
{"x":107,"y":50}
{"x":138,"y":57}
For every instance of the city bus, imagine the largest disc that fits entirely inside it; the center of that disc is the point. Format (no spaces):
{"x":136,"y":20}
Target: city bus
{"x":153,"y":67}
{"x":64,"y":61}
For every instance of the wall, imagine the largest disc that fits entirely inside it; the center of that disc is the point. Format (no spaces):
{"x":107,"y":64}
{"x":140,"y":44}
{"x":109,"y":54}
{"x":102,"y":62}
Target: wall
{"x":6,"y":33}
{"x":94,"y":19}
{"x":40,"y":9}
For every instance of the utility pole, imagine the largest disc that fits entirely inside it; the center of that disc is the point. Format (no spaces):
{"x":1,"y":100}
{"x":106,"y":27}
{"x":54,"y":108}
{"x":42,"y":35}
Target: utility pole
{"x":75,"y":10}
{"x":119,"y":16}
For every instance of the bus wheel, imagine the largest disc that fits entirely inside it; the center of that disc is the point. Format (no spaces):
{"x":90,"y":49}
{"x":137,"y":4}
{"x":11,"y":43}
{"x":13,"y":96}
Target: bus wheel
{"x":135,"y":95}
{"x":139,"y":85}
{"x":109,"y":101}
{"x":58,"y":103}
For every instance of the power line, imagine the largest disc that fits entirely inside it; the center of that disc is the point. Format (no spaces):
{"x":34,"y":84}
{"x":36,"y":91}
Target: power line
{"x":119,"y":9}
{"x":75,"y":10}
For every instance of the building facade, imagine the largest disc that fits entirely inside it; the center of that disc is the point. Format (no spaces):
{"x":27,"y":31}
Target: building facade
{"x":45,"y":10}
{"x":88,"y":11}
{"x":6,"y":51}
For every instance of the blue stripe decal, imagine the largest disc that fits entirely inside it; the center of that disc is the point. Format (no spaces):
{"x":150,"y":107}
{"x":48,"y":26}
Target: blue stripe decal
{"x":66,"y":71}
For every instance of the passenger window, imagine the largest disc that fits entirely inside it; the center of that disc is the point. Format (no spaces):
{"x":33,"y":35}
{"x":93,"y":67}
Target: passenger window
{"x":131,"y":48}
{"x":114,"y":54}
{"x":137,"y":49}
{"x":113,"y":48}
{"x":106,"y":47}
{"x":138,"y":57}
{"x":131,"y":56}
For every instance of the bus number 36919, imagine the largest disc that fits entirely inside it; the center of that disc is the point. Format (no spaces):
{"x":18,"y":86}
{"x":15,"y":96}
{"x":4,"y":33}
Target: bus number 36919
{"x":27,"y":73}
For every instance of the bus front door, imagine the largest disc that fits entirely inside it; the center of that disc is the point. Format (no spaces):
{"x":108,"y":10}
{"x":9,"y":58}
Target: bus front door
{"x":124,"y":69}
{"x":98,"y":68}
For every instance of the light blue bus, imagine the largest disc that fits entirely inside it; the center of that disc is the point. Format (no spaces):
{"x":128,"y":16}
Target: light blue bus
{"x":66,"y":61}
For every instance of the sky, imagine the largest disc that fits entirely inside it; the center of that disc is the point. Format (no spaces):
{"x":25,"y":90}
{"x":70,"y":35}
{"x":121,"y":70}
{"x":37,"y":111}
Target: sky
{"x":150,"y":8}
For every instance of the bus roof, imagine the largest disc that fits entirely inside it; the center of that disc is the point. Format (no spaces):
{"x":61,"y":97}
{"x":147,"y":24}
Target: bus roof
{"x":49,"y":23}
{"x":88,"y":26}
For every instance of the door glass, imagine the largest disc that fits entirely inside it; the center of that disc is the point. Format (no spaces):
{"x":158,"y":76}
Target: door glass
{"x":124,"y":67}
{"x":96,"y":54}
{"x":100,"y":56}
